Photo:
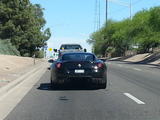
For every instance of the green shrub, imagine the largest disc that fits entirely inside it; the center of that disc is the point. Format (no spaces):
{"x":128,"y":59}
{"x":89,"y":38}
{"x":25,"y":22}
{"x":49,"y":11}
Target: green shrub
{"x":26,"y":55}
{"x":39,"y":54}
{"x":7,"y":48}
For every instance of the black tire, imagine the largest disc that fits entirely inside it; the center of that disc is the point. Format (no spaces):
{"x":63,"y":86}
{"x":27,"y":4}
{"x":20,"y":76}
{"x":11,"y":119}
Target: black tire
{"x":53,"y":84}
{"x":51,"y":81}
{"x":102,"y":84}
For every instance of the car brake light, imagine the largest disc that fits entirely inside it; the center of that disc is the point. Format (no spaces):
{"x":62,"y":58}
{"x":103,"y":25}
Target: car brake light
{"x":100,"y":65}
{"x":58,"y":65}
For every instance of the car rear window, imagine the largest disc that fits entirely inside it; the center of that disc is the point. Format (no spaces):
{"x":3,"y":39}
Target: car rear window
{"x":78,"y":57}
{"x":71,"y":47}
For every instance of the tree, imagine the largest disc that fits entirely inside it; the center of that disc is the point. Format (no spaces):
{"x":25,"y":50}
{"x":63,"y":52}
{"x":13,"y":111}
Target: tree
{"x":23,"y":23}
{"x":119,"y":36}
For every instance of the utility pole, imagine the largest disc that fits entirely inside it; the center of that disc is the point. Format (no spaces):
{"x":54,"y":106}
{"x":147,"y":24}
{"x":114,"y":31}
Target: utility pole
{"x":99,"y":15}
{"x":130,"y":6}
{"x":106,"y":11}
{"x":97,"y":21}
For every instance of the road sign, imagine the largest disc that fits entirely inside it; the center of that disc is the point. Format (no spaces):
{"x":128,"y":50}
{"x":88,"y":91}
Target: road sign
{"x":45,"y":47}
{"x":50,"y":49}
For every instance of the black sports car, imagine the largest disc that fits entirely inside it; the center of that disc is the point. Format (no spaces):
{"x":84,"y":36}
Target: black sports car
{"x":80,"y":66}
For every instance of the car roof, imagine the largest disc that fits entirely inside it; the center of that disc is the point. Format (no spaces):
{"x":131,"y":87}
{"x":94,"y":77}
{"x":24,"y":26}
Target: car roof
{"x":65,"y":53}
{"x":70,"y":44}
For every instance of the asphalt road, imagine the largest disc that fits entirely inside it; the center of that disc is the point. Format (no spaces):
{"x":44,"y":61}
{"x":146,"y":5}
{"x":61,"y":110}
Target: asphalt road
{"x":133,"y":93}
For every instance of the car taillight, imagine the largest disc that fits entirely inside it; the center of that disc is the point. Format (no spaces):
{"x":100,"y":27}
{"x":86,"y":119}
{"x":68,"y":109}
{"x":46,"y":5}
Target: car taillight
{"x":58,"y":65}
{"x":100,"y":65}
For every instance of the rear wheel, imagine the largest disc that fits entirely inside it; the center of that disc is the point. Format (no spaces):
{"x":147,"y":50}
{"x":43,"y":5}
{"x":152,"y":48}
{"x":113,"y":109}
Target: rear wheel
{"x":103,"y":86}
{"x":102,"y":83}
{"x":53,"y":83}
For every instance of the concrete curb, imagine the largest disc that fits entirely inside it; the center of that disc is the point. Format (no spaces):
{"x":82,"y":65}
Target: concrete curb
{"x":16,"y":92}
{"x":13,"y":84}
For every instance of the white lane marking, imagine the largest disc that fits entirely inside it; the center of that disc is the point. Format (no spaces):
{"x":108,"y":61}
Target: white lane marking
{"x":134,"y":98}
{"x":137,"y":69}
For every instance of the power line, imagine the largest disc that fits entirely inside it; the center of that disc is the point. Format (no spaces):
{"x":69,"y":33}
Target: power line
{"x":130,"y":5}
{"x":122,"y":9}
{"x":124,"y":4}
{"x":136,"y":2}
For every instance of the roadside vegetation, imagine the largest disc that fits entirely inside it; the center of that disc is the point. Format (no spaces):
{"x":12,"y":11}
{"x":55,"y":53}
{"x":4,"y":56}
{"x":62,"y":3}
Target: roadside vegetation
{"x":139,"y":35}
{"x":22,"y":28}
{"x":7,"y":48}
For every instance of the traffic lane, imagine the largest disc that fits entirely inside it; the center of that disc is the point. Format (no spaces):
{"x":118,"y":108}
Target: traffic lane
{"x":47,"y":104}
{"x":152,"y":69}
{"x":142,"y":78}
{"x":137,"y":84}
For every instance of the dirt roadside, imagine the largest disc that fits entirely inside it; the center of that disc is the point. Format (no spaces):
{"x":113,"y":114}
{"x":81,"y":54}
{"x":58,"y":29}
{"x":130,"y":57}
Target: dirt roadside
{"x":12,"y":67}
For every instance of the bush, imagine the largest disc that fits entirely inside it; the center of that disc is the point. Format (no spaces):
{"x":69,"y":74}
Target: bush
{"x":39,"y":54}
{"x":26,"y":55}
{"x":7,"y":48}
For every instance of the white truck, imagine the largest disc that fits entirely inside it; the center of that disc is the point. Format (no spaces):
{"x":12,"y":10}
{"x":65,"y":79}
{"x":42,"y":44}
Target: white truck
{"x":71,"y":48}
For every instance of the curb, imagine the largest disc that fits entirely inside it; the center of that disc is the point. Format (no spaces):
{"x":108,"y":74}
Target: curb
{"x":17,"y":81}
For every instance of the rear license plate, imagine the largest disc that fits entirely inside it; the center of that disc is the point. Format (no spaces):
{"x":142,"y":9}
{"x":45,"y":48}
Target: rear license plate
{"x":79,"y":71}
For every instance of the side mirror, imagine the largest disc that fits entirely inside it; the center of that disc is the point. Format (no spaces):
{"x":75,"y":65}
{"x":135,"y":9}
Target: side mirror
{"x":51,"y":61}
{"x":85,"y":50}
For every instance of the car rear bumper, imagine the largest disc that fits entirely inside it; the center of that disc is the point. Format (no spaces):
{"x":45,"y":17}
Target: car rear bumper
{"x":63,"y":78}
{"x":79,"y":76}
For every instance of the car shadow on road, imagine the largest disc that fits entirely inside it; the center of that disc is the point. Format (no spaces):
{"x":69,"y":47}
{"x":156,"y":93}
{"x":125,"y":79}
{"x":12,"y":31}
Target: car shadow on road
{"x":49,"y":87}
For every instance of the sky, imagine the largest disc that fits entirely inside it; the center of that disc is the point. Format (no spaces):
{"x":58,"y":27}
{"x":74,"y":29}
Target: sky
{"x":72,"y":21}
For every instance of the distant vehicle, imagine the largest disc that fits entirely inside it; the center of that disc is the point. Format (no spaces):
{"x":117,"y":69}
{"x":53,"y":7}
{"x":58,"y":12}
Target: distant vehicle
{"x":71,"y":48}
{"x":79,"y":66}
